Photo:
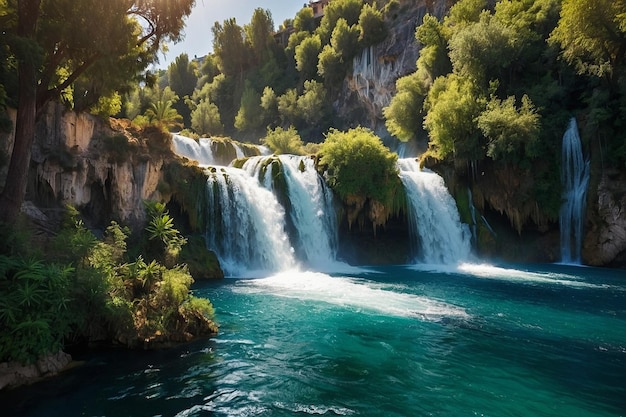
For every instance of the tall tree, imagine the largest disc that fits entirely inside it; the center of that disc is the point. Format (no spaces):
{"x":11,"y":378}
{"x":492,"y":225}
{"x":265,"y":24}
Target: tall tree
{"x":230,"y":48}
{"x":57,"y":43}
{"x":592,"y":35}
{"x":182,"y":79}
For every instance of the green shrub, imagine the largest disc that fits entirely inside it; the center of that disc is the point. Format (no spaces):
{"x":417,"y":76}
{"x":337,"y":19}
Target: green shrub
{"x":358,"y":164}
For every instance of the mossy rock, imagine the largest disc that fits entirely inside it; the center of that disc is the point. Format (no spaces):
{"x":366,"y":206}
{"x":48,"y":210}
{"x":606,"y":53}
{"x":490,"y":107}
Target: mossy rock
{"x":202,"y":263}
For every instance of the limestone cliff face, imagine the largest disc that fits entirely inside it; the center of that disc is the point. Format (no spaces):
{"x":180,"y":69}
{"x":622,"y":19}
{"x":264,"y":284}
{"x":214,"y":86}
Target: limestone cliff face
{"x":372,"y":84}
{"x":605,"y":238}
{"x":81,"y":160}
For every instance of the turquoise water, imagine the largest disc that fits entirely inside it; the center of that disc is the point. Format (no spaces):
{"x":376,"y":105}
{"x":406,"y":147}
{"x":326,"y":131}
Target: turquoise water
{"x":476,"y":340}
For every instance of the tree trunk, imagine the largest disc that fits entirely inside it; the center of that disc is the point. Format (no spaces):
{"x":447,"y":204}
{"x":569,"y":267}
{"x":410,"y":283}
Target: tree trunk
{"x":17,"y":177}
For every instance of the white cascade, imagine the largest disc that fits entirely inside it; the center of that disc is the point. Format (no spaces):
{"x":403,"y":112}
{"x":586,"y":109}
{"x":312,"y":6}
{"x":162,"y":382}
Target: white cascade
{"x":437,"y":232}
{"x":197,"y":150}
{"x":310,"y":209}
{"x":246,"y":224}
{"x":575,"y":179}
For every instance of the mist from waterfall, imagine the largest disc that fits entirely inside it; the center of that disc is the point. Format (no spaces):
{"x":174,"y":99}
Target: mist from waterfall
{"x":575,"y":179}
{"x":437,"y":234}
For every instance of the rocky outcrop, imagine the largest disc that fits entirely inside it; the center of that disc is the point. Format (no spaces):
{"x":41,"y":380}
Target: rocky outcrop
{"x":372,"y":84}
{"x":13,"y":374}
{"x":605,"y":239}
{"x":106,"y":169}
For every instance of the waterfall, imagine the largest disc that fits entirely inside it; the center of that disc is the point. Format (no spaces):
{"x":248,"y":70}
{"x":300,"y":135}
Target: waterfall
{"x":437,"y":232}
{"x":309,"y":204}
{"x":208,"y":151}
{"x":574,"y":178}
{"x":246,"y":226}
{"x":197,"y":150}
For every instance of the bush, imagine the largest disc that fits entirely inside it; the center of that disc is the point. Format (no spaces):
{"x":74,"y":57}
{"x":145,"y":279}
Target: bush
{"x":358,"y":164}
{"x":282,"y":141}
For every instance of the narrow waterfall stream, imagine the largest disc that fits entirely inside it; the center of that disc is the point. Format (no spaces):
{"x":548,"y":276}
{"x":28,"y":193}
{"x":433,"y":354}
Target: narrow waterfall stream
{"x":575,"y":178}
{"x":438,"y":236}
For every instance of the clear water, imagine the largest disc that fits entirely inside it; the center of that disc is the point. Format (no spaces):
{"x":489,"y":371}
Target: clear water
{"x":474,"y":340}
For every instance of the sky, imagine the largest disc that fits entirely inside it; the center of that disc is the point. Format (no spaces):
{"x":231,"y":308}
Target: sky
{"x":198,"y":39}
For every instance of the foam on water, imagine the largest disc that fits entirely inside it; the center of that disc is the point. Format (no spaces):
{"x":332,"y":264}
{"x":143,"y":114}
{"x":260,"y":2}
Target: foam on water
{"x":526,"y":277}
{"x":355,"y":293}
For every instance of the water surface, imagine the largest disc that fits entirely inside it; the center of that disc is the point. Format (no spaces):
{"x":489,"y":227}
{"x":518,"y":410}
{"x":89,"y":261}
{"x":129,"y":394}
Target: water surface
{"x":473,"y":340}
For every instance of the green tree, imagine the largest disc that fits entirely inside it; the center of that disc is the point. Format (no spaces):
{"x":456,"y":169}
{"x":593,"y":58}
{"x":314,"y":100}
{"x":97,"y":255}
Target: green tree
{"x":592,"y":36}
{"x":282,"y":141}
{"x":182,"y":79}
{"x":259,"y":34}
{"x":288,"y":107}
{"x":331,"y":67}
{"x":208,"y":70}
{"x":48,"y":36}
{"x":349,"y":10}
{"x":510,"y":131}
{"x":312,"y":103}
{"x":358,"y":164}
{"x":232,"y":51}
{"x":404,"y":117}
{"x":205,"y":119}
{"x":345,"y":40}
{"x":453,"y":104}
{"x":371,"y":25}
{"x":269,"y":104}
{"x":307,"y":57}
{"x":249,"y":117}
{"x":164,"y":116}
{"x":304,"y":20}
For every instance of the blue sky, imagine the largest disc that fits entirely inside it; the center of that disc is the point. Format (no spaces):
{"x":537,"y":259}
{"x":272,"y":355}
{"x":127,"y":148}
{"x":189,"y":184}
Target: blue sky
{"x":198,"y":38}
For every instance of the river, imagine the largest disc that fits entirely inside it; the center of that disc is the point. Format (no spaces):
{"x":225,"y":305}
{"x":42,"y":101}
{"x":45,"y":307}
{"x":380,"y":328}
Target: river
{"x":472,"y":340}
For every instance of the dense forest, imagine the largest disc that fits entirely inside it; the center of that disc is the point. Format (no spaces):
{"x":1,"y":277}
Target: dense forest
{"x":488,"y":98}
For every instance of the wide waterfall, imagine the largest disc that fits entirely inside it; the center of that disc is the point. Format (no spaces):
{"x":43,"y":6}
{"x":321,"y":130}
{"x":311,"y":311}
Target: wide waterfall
{"x":438,"y":235}
{"x":575,"y":178}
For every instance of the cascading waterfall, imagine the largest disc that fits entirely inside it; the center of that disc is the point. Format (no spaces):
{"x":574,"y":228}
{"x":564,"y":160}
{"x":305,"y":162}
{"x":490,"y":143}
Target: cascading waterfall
{"x":310,"y":205}
{"x":246,"y":226}
{"x":204,"y":150}
{"x":437,"y":232}
{"x":574,"y":178}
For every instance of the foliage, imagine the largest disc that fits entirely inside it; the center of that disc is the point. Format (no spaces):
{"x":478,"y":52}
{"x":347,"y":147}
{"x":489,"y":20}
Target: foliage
{"x":205,"y":119}
{"x":312,"y":104}
{"x":510,"y":131}
{"x":592,"y":36}
{"x":404,"y":115}
{"x":163,"y":115}
{"x":282,"y":141}
{"x":453,"y":104}
{"x":35,"y":310}
{"x":249,"y":117}
{"x":306,"y":54}
{"x":357,"y":163}
{"x":371,"y":26}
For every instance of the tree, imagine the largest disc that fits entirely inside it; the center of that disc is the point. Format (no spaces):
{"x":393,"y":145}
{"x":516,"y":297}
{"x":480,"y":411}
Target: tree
{"x":120,"y":36}
{"x":304,"y":20}
{"x":510,"y":131}
{"x":249,"y":117}
{"x":288,"y":107}
{"x":345,"y":40}
{"x":307,"y":56}
{"x":453,"y":104}
{"x":592,"y":35}
{"x":259,"y":34}
{"x":405,"y":115}
{"x":205,"y":119}
{"x":182,"y":79}
{"x":358,"y":164}
{"x":282,"y":141}
{"x":311,"y":104}
{"x":349,"y":10}
{"x":371,"y":25}
{"x":163,"y":115}
{"x":230,"y":48}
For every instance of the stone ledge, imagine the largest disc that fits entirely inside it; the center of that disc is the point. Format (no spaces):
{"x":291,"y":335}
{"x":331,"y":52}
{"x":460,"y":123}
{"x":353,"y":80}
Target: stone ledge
{"x":13,"y":374}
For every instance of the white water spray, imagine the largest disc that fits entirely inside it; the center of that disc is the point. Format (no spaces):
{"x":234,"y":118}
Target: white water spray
{"x":310,"y":206}
{"x":246,"y":224}
{"x":575,"y":178}
{"x":437,"y":232}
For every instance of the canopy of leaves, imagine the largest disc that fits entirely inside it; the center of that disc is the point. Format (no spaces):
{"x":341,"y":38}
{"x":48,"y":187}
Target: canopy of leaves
{"x":282,"y":141}
{"x":357,"y":163}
